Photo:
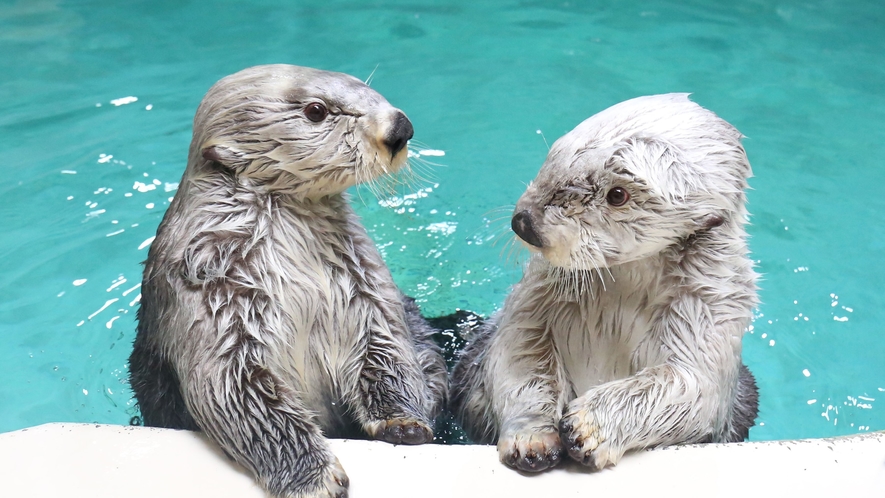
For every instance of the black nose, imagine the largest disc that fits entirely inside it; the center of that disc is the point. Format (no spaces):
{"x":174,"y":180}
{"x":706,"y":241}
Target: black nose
{"x":399,"y":134}
{"x":522,"y":225}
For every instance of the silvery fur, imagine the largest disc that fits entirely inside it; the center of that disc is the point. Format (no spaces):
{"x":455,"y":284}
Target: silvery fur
{"x":625,"y":330}
{"x":268,"y":318}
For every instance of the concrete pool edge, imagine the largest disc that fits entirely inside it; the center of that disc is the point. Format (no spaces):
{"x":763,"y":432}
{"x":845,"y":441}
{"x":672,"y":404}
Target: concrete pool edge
{"x":79,"y":460}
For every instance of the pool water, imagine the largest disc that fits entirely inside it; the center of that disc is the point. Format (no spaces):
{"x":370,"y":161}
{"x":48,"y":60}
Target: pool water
{"x":97,"y":99}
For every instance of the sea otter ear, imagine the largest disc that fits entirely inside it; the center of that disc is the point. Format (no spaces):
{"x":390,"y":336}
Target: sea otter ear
{"x":223,"y":155}
{"x":712,"y":220}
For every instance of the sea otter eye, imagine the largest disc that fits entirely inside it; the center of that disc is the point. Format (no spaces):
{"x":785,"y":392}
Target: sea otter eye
{"x":617,"y":197}
{"x":316,"y":112}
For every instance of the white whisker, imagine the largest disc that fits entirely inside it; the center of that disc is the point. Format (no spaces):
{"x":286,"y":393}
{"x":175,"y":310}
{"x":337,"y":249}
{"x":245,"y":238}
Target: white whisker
{"x":539,"y":132}
{"x":371,"y":75}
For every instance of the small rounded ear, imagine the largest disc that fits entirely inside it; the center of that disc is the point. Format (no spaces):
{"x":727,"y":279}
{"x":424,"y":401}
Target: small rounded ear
{"x":222,"y":155}
{"x":712,"y":220}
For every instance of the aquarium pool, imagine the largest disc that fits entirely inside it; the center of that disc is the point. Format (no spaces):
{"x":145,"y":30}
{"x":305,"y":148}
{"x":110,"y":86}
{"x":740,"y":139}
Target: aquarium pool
{"x":97,"y":98}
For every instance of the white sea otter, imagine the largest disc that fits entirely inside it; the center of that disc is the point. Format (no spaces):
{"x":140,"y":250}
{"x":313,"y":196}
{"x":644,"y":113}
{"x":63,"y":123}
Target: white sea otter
{"x":268,"y":317}
{"x":625,"y":330}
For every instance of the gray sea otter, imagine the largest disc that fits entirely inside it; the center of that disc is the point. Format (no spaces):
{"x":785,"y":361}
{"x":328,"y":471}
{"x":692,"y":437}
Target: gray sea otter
{"x":268,"y":317}
{"x":625,"y":330}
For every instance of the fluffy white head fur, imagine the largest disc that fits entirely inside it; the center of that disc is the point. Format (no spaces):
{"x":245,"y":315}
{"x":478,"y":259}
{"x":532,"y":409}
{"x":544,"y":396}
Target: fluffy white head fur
{"x":682,"y":169}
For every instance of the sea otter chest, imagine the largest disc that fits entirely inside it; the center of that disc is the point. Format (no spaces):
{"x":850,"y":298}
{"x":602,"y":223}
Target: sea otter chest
{"x":311,"y":273}
{"x":608,"y":333}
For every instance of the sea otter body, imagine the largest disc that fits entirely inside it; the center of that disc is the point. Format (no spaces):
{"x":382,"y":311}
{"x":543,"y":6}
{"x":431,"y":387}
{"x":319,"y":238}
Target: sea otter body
{"x":268,"y":317}
{"x":625,"y":330}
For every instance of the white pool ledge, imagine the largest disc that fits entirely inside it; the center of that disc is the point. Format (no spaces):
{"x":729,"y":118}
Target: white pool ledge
{"x":97,"y":461}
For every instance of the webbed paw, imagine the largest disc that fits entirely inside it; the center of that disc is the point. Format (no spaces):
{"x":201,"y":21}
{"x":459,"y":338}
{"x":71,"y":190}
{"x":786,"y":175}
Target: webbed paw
{"x":332,"y":482}
{"x":586,"y":439}
{"x":530,"y":451}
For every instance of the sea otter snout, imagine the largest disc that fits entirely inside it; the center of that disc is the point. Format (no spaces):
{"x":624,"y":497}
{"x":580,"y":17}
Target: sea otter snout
{"x":523,"y":227}
{"x":399,"y":135}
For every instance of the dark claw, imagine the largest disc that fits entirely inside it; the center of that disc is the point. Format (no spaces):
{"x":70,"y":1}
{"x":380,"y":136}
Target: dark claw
{"x":344,"y":483}
{"x":555,"y":456}
{"x":533,"y":461}
{"x":530,"y":462}
{"x":566,"y":434}
{"x":575,"y":444}
{"x":585,"y":460}
{"x":577,"y":453}
{"x":588,"y":462}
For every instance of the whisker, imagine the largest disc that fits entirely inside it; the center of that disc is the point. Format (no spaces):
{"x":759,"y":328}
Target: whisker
{"x":560,"y":285}
{"x":416,"y":175}
{"x":596,"y":265}
{"x":369,"y":79}
{"x":508,"y":250}
{"x":539,"y":132}
{"x":563,"y":282}
{"x":515,"y":252}
{"x":501,"y":209}
{"x":587,"y":275}
{"x":360,"y":184}
{"x":502,"y":234}
{"x":493,"y":229}
{"x":419,"y":145}
{"x":425,"y":170}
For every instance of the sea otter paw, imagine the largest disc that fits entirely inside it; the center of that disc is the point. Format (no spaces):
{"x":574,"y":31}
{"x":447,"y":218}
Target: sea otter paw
{"x":531,"y":451}
{"x":332,"y":482}
{"x":586,"y":439}
{"x":335,"y":482}
{"x":402,"y":431}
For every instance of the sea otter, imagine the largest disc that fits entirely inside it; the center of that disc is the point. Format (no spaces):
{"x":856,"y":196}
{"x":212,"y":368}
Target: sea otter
{"x":625,"y":330}
{"x":268,"y":318}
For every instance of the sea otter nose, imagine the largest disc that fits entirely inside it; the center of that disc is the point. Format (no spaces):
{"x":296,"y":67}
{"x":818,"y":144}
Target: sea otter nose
{"x":522,"y":225}
{"x":399,"y":134}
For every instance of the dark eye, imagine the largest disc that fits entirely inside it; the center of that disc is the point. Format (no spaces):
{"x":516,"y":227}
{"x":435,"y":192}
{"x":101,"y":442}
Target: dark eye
{"x":316,"y":112}
{"x":617,"y":197}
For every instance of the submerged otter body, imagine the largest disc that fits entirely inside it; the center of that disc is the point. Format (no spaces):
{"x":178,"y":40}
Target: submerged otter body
{"x":268,"y":317}
{"x":625,"y":330}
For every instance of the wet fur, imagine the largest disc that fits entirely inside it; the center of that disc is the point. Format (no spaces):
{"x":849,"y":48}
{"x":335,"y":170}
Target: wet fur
{"x":268,"y":318}
{"x":625,"y":330}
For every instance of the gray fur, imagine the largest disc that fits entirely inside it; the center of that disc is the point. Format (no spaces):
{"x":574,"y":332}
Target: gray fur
{"x":625,"y":330}
{"x":268,"y":317}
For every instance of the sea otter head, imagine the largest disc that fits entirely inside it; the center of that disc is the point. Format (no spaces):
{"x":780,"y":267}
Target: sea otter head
{"x":300,"y":130}
{"x":632,"y":181}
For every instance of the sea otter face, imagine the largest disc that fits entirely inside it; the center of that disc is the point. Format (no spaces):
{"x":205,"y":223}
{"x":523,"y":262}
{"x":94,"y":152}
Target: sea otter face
{"x":607,"y":214}
{"x":301,"y":130}
{"x":632,"y":181}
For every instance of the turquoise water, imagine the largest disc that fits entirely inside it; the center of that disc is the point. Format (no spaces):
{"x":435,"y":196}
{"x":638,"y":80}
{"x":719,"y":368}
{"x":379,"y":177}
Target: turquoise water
{"x":86,"y":177}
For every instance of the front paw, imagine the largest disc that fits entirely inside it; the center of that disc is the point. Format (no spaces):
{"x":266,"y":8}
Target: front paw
{"x":401,"y":431}
{"x":330,"y":482}
{"x":586,"y":439}
{"x":335,"y":482}
{"x":530,"y":451}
